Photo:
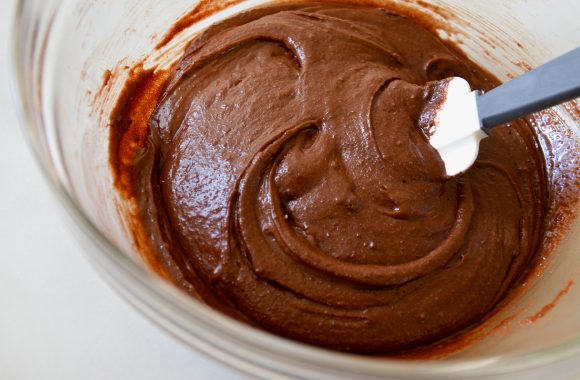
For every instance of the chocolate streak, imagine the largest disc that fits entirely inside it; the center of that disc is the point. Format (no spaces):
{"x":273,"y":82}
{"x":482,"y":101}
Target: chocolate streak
{"x":284,"y":173}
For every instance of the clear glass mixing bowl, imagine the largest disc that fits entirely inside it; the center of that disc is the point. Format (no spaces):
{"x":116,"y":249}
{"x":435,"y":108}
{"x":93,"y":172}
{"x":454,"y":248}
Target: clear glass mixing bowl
{"x":62,"y":48}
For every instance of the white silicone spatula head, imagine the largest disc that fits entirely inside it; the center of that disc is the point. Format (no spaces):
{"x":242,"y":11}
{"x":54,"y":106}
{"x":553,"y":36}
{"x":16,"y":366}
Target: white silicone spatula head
{"x":455,"y":117}
{"x":456,"y":130}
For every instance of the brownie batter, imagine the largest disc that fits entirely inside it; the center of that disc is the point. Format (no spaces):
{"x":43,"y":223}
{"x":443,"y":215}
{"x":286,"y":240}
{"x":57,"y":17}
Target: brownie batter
{"x":284,"y":179}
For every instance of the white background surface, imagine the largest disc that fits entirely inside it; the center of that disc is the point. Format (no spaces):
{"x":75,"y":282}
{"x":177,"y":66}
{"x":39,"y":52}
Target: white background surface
{"x":58,"y":318}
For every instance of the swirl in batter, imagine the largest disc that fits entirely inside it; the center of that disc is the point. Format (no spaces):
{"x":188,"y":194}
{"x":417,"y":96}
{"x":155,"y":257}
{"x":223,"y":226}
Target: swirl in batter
{"x":285,"y":180}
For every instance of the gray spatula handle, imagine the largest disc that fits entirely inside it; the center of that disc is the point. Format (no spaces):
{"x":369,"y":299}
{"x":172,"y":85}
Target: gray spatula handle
{"x":552,"y":83}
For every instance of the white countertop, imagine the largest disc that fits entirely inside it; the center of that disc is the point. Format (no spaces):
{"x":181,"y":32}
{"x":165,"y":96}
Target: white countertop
{"x":58,"y":318}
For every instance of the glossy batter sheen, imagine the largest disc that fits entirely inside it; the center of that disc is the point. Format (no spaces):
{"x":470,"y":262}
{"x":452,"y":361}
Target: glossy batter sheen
{"x":285,"y":179}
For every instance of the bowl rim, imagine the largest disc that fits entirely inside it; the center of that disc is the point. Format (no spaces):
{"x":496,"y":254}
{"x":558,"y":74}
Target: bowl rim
{"x":110,"y":257}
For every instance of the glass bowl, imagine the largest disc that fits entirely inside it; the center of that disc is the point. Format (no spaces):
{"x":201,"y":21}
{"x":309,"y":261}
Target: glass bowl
{"x":61,"y":50}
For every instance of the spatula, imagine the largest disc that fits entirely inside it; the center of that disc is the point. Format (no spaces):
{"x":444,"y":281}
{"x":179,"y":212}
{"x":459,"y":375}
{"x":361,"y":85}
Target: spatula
{"x":464,"y":117}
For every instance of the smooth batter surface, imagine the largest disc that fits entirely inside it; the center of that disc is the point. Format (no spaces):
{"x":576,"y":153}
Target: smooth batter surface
{"x":285,"y":180}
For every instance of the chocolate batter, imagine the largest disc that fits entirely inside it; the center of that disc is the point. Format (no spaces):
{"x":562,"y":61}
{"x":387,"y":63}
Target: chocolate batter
{"x":283,"y":178}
